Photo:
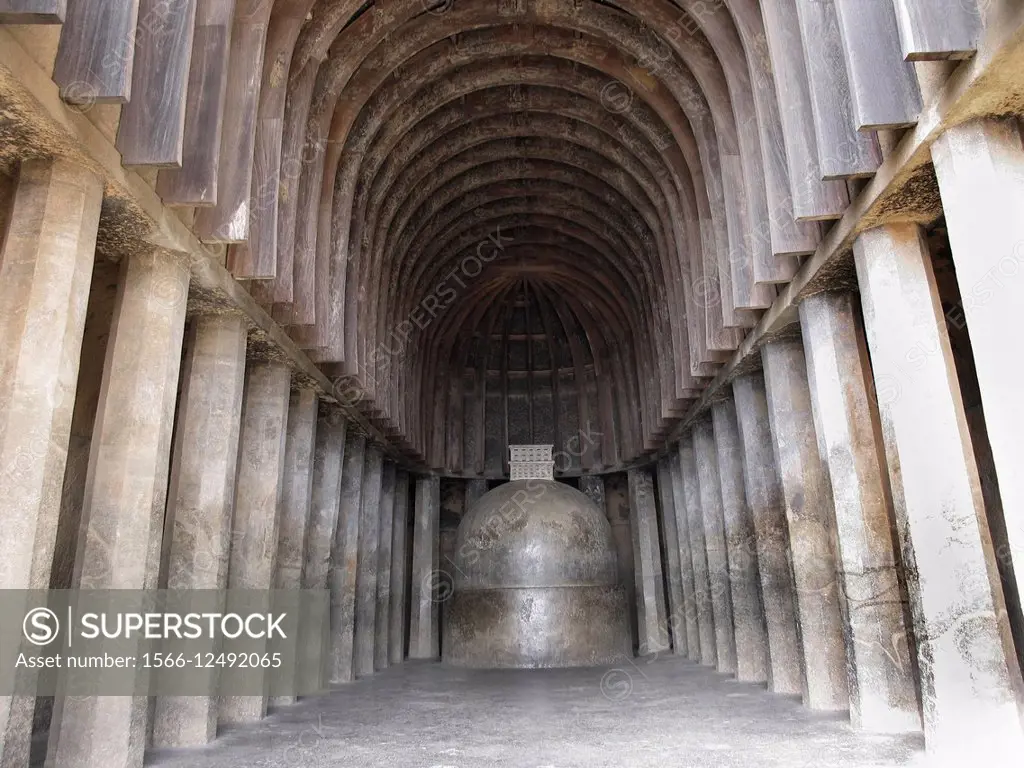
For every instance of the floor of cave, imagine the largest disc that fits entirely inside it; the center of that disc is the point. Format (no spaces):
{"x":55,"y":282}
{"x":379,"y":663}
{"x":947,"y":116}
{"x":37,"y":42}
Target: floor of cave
{"x":669,"y":712}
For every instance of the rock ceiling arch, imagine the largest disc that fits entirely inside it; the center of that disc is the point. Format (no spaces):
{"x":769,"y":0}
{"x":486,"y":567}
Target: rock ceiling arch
{"x":632,"y":168}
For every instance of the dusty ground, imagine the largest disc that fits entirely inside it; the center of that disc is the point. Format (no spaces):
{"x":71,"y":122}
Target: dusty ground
{"x":668,"y":713}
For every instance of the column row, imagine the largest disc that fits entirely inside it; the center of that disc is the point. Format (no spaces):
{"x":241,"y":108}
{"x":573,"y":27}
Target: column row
{"x":204,"y":471}
{"x":829,"y":519}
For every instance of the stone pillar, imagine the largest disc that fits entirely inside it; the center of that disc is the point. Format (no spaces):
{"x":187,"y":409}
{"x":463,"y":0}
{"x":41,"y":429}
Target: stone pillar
{"x":297,"y":491}
{"x":595,"y":488}
{"x":399,"y":568}
{"x":980,"y":167}
{"x":98,"y":319}
{"x":698,"y":552}
{"x":650,"y":584}
{"x":258,"y":494}
{"x":45,"y":273}
{"x":768,"y":510}
{"x":453,"y":510}
{"x":883,"y":694}
{"x":475,"y":488}
{"x":126,"y":489}
{"x":328,"y":455}
{"x":424,"y":635}
{"x":344,"y":559}
{"x":383,"y":613}
{"x":809,"y":514}
{"x":714,"y":540}
{"x":617,"y":508}
{"x":676,"y":614}
{"x":685,"y":559}
{"x":747,"y":610}
{"x":968,"y":667}
{"x":296,"y":505}
{"x":200,"y":500}
{"x":368,"y":563}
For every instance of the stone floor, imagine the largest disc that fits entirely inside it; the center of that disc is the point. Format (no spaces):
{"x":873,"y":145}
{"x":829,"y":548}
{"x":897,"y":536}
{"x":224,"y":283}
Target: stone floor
{"x":666,"y":713}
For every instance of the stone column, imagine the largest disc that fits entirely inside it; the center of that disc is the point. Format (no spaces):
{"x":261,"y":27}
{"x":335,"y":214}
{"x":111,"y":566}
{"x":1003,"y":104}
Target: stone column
{"x":980,"y":167}
{"x":809,"y":514}
{"x":383,"y":613}
{"x":344,"y":559}
{"x":968,"y":666}
{"x":475,"y":488}
{"x":296,"y":504}
{"x":258,"y":494}
{"x":595,"y":488}
{"x":424,"y":637}
{"x":768,"y":510}
{"x":676,"y":615}
{"x":617,"y":508}
{"x":399,"y":568}
{"x":200,"y":500}
{"x":453,"y":510}
{"x":328,"y":454}
{"x":369,"y":562}
{"x":650,"y":584}
{"x":714,"y":540}
{"x":126,"y":489}
{"x":685,"y":559}
{"x":883,"y":694}
{"x":45,"y":273}
{"x":99,"y":316}
{"x":747,"y":610}
{"x":297,"y":491}
{"x":698,"y":552}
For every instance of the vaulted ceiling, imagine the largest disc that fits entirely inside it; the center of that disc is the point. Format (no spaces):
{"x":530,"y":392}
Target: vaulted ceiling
{"x":402,"y":182}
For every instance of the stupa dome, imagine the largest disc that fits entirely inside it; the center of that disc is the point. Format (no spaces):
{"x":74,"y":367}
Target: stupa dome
{"x":535,"y":582}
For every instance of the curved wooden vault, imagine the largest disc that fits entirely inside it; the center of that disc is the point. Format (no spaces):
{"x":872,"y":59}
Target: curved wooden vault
{"x":384,"y":173}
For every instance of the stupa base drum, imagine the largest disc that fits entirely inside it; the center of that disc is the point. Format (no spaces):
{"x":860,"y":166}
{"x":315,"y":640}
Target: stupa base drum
{"x":535,"y":582}
{"x":537,"y":627}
